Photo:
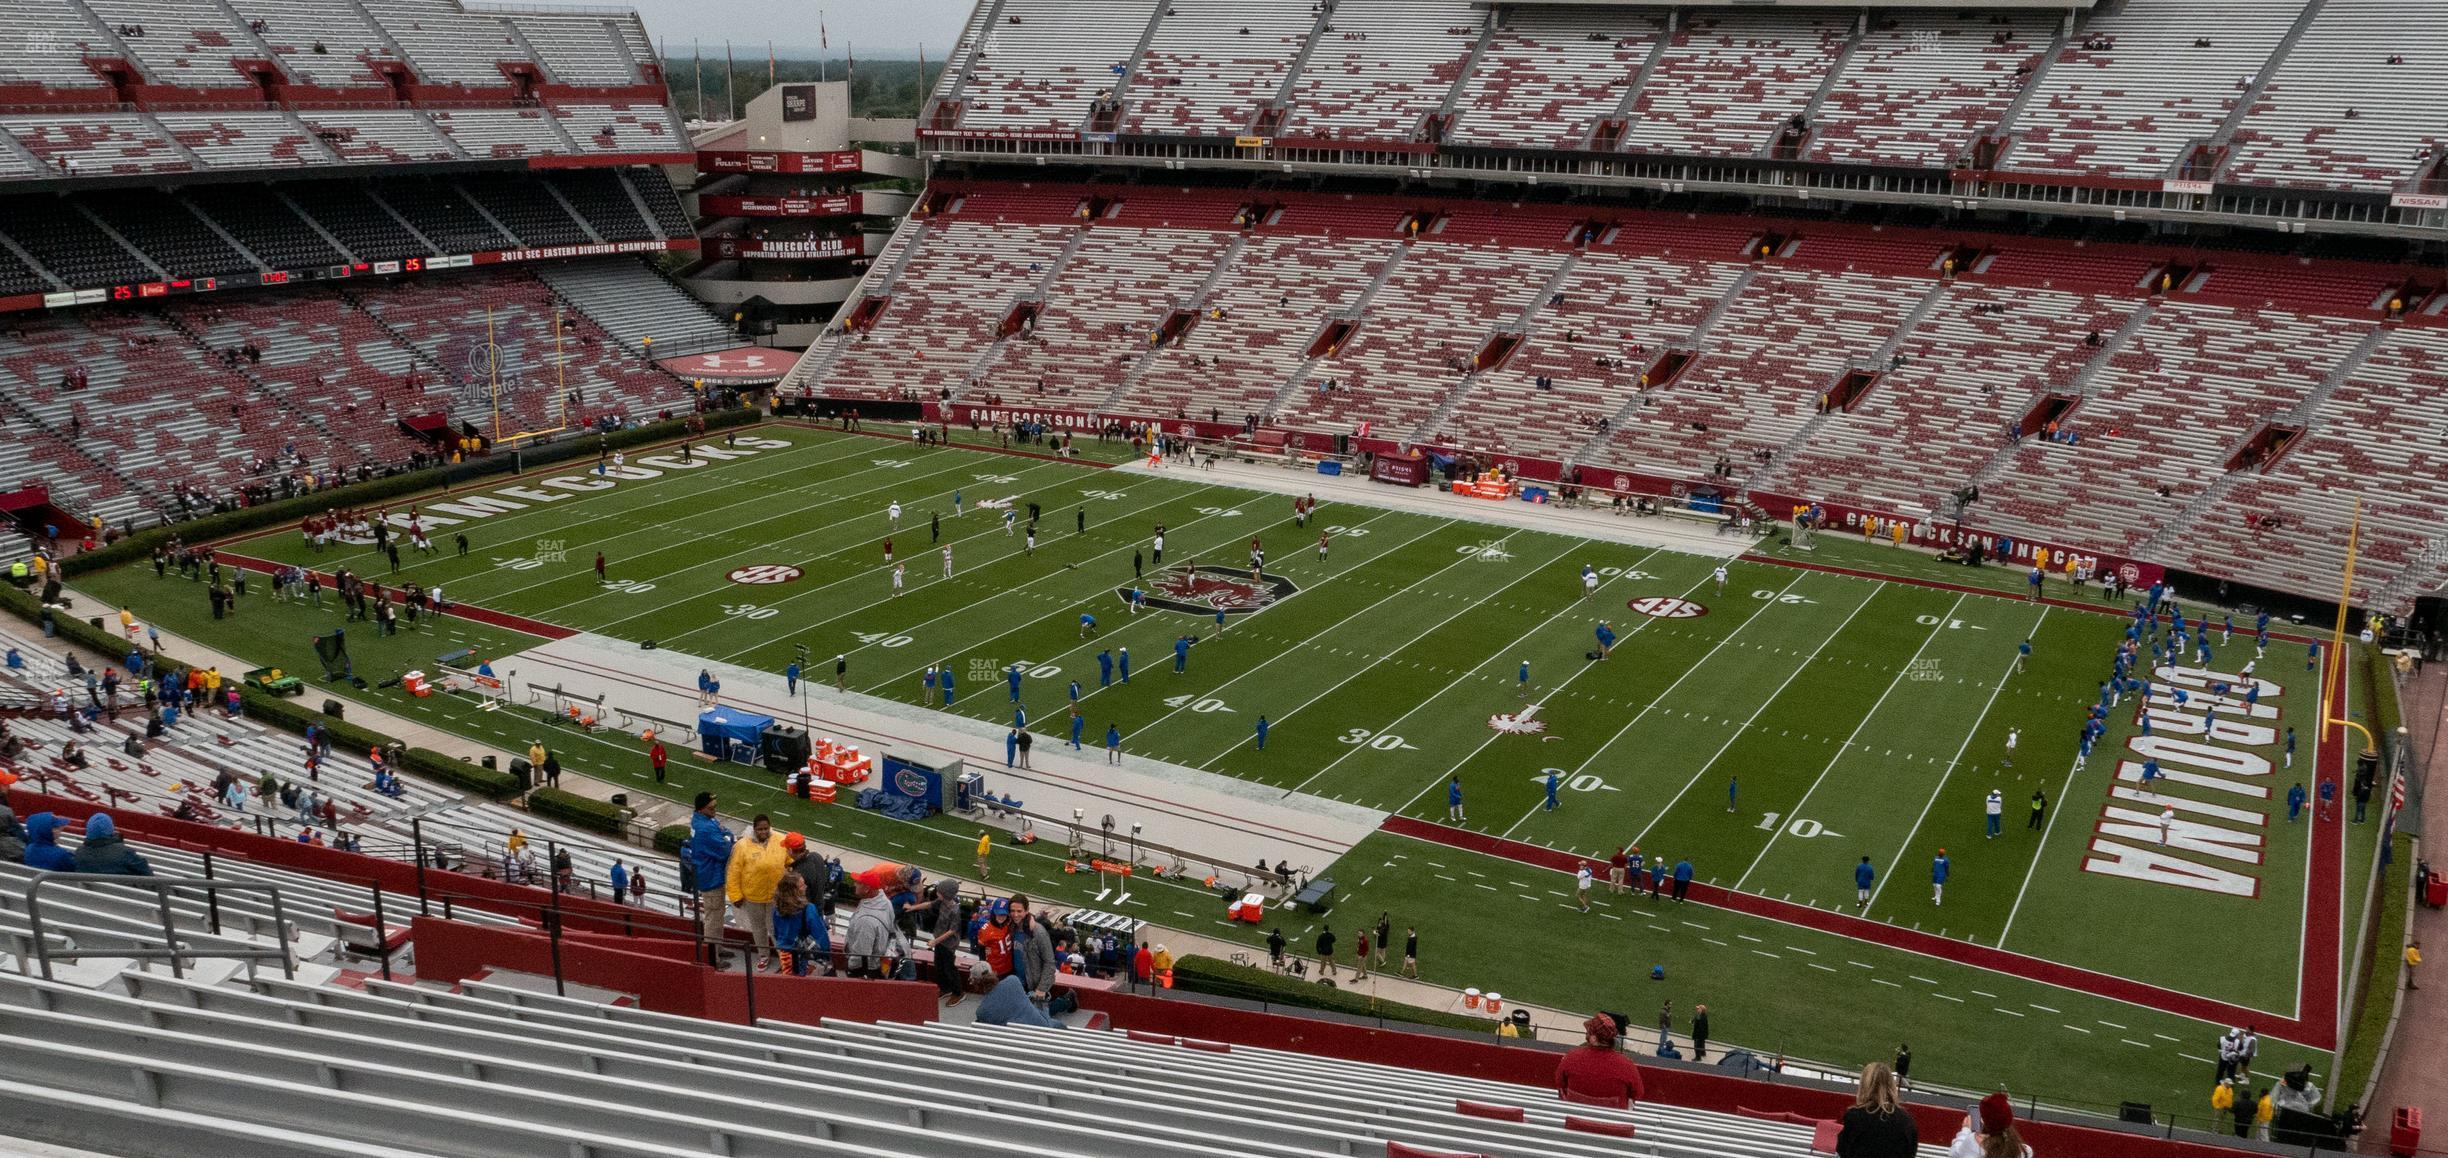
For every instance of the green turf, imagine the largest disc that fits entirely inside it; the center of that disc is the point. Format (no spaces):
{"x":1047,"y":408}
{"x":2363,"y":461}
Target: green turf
{"x":1860,"y":717}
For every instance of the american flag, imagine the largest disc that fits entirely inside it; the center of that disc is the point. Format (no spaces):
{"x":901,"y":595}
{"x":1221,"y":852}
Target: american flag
{"x":2397,"y":790}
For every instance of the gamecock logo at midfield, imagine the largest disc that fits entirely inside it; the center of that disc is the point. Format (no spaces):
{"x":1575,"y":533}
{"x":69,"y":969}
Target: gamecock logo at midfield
{"x":1204,"y":590}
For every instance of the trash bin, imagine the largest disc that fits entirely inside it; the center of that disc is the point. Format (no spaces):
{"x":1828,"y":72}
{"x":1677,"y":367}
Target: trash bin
{"x":2435,"y":889}
{"x":2405,"y":1131}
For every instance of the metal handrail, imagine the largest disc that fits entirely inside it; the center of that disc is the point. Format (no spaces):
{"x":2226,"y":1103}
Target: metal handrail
{"x":173,"y":952}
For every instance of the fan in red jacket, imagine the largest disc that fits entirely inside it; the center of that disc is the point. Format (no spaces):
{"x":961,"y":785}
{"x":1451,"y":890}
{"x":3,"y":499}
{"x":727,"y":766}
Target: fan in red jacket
{"x":1596,"y":1073}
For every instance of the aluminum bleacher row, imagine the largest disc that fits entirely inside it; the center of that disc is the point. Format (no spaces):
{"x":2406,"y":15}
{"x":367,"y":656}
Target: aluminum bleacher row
{"x":2122,"y":92}
{"x":2161,"y":409}
{"x":384,"y":1063}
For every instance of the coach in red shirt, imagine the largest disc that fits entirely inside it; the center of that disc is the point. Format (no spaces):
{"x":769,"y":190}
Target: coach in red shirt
{"x":1596,"y":1073}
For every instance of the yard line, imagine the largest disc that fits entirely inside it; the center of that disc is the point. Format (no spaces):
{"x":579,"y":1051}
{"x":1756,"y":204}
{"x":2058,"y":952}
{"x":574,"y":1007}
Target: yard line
{"x":1975,"y":993}
{"x":1944,"y":997}
{"x":2077,"y":1028}
{"x":1434,"y":527}
{"x":1722,"y":749}
{"x":1572,"y":608}
{"x":1092,"y":693}
{"x":852,"y":574}
{"x":1801,"y":950}
{"x":1823,"y":968}
{"x":2042,"y":1008}
{"x":1886,"y":982}
{"x":688,"y":493}
{"x":2006,"y":1011}
{"x":2132,"y":1042}
{"x":1338,"y":685}
{"x":1654,"y":701}
{"x":912,"y":629}
{"x":708,"y":516}
{"x":1716,"y":942}
{"x":1949,"y":773}
{"x":1847,"y":746}
{"x":1767,"y":954}
{"x":1921,"y":979}
{"x":2187,"y":1056}
{"x":2109,"y":1024}
{"x":2164,"y":1037}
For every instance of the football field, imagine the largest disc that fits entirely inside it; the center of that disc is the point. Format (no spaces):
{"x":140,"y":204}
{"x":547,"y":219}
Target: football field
{"x":1773,"y":728}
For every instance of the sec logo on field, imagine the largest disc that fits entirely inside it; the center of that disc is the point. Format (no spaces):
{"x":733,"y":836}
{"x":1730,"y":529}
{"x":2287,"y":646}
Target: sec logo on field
{"x":1667,"y":607}
{"x":766,"y":573}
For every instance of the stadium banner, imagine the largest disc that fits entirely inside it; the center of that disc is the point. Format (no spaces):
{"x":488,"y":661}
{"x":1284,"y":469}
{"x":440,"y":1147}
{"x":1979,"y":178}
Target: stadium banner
{"x":836,"y":161}
{"x":751,"y":247}
{"x":550,"y":252}
{"x":965,"y":414}
{"x":728,"y":205}
{"x":2418,"y":201}
{"x":1999,"y":548}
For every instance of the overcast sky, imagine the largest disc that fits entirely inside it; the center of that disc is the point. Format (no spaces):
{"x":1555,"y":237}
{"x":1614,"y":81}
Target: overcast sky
{"x":890,"y":28}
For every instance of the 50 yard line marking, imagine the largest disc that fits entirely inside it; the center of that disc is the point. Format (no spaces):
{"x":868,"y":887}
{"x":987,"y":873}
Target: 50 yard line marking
{"x":1660,"y":698}
{"x":1847,"y":745}
{"x":1943,"y":777}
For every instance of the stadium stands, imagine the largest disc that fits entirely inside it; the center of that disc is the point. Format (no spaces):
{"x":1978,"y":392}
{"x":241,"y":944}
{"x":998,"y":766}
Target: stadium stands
{"x":1550,"y":75}
{"x":1211,"y":68}
{"x":633,"y":303}
{"x":2138,"y":87}
{"x":1921,"y":87}
{"x":266,"y":140}
{"x":96,"y":144}
{"x":356,"y":219}
{"x":68,"y":242}
{"x":265,"y":225}
{"x":449,"y":45}
{"x":167,"y":232}
{"x":1046,"y":62}
{"x":1725,"y":82}
{"x":580,"y":48}
{"x":499,"y":133}
{"x":365,"y":136}
{"x":329,"y":43}
{"x":2331,"y":115}
{"x":1378,"y":71}
{"x":181,"y":43}
{"x":43,"y":42}
{"x":1947,"y":367}
{"x":621,"y":128}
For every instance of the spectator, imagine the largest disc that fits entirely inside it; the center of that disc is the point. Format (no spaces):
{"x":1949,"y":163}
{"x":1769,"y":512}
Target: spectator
{"x":873,"y":937}
{"x":1989,"y":1132}
{"x":707,"y":855}
{"x":1877,"y":1126}
{"x":12,"y":837}
{"x":1032,"y":952}
{"x":944,"y":926}
{"x":756,"y":867}
{"x":1596,"y":1072}
{"x":1007,"y":1002}
{"x":42,"y":844}
{"x":104,"y":851}
{"x":798,"y":929}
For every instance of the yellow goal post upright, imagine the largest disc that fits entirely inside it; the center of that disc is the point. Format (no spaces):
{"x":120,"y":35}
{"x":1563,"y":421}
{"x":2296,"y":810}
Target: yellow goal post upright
{"x":2337,"y":638}
{"x":503,"y":440}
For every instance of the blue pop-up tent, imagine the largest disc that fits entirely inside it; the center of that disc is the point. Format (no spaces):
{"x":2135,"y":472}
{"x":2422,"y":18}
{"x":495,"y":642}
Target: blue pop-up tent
{"x":731,"y":734}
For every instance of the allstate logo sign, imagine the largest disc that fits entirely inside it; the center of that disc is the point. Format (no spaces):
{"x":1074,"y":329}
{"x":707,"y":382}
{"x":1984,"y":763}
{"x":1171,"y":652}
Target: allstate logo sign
{"x":766,"y":573}
{"x":1667,"y":607}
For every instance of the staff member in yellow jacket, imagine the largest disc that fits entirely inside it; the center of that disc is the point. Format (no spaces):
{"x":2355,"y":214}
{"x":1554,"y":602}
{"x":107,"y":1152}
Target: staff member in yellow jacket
{"x":757,"y":865}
